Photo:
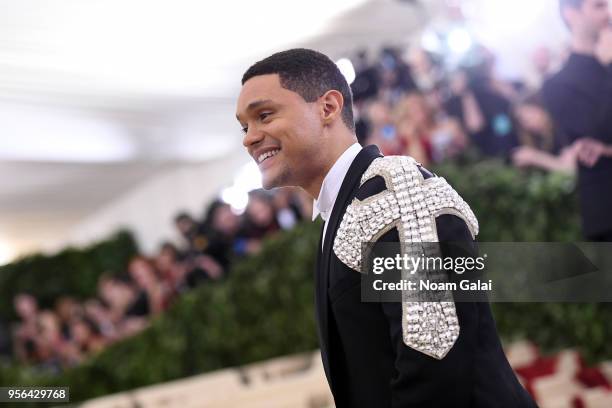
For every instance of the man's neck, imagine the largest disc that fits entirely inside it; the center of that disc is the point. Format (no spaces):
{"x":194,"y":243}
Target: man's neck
{"x":583,"y":45}
{"x":314,"y":188}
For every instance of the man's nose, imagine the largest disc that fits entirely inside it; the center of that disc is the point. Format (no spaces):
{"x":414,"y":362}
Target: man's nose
{"x":251,"y":137}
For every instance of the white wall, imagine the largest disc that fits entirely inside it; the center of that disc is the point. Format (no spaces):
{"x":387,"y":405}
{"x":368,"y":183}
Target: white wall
{"x":148,"y":210}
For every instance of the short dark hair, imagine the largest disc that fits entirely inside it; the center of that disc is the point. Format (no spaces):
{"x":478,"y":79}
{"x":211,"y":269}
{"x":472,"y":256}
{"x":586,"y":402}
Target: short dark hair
{"x":183,"y":216}
{"x":563,"y":4}
{"x":308,"y":73}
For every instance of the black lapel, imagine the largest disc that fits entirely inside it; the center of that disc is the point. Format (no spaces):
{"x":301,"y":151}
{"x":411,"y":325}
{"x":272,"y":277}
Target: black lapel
{"x":350,"y":184}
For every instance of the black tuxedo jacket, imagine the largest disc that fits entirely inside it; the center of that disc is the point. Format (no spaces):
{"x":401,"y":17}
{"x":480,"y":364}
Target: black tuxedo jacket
{"x":366,"y":361}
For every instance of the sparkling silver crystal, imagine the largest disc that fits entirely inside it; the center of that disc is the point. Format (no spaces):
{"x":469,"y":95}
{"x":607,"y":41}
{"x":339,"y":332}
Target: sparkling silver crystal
{"x":411,"y":204}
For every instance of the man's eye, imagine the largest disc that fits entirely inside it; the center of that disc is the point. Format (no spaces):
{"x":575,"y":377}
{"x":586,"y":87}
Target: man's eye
{"x":245,"y":129}
{"x":264,"y":115}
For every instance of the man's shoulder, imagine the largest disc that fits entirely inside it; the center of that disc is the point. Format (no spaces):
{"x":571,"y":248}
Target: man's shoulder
{"x":397,"y":192}
{"x":553,"y":81}
{"x":566,"y":77}
{"x":379,"y":176}
{"x":556,"y":88}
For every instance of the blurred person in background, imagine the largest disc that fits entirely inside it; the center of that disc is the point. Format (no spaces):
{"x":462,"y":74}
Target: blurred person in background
{"x":541,"y":146}
{"x":287,"y":208}
{"x":259,"y":222}
{"x":423,"y":133}
{"x":540,"y":68}
{"x":425,"y":72}
{"x":86,"y":337}
{"x":151,"y":294}
{"x":483,"y":105}
{"x":116,"y":296}
{"x":53,"y":351}
{"x":305,"y":203}
{"x":172,"y":270}
{"x":203,"y":268}
{"x":364,"y":88}
{"x":362,"y":127}
{"x":260,"y":217}
{"x":192,"y":232}
{"x":119,"y":296}
{"x":383,"y":130}
{"x":367,"y":79}
{"x":67,"y":310}
{"x":223,"y":226}
{"x":579,"y":98}
{"x":395,"y":76}
{"x":26,"y":331}
{"x":101,"y":316}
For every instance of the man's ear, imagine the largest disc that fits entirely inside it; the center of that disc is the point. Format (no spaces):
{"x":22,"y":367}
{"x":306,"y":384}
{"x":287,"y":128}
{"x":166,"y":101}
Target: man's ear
{"x":331,"y":104}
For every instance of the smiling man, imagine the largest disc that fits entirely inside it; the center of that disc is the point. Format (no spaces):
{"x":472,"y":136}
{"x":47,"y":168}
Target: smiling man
{"x":295,"y":108}
{"x":294,"y":140}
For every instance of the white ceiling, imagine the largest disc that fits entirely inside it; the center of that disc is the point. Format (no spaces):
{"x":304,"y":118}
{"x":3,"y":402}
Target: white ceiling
{"x":97,"y":96}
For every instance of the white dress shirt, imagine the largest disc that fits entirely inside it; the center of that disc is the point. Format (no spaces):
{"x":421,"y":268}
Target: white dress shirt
{"x":331,"y":186}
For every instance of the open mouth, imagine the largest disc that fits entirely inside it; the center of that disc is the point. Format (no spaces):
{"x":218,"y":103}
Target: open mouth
{"x":265,"y":156}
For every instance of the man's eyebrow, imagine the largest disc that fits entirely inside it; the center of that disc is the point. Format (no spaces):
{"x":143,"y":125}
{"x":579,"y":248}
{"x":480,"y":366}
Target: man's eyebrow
{"x":254,"y":105}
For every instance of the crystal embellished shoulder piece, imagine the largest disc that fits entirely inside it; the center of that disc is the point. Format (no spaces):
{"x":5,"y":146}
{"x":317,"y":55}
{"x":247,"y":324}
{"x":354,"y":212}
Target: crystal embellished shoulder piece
{"x":411,"y":204}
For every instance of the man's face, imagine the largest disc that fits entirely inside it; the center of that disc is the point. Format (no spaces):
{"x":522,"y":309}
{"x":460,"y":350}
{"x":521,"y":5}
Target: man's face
{"x":185,"y":226}
{"x":282,"y":132}
{"x":591,"y":18}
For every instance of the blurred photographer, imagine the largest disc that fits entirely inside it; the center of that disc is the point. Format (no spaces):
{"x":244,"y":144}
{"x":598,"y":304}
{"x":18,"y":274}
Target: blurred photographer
{"x":579,"y":97}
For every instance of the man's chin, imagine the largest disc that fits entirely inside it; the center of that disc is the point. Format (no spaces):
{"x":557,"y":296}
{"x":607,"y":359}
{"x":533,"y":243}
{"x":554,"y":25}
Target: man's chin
{"x":268,"y":186}
{"x":270,"y":181}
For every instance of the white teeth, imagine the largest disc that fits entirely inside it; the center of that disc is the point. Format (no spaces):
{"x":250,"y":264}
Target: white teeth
{"x":265,"y":155}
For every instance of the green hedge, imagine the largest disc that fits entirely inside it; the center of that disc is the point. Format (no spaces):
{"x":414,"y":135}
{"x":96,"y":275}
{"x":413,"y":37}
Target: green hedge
{"x":517,"y":205}
{"x":73,"y":272}
{"x":265,"y":307}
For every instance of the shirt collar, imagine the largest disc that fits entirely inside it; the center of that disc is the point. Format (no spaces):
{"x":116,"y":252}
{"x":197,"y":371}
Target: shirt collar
{"x":332,"y":182}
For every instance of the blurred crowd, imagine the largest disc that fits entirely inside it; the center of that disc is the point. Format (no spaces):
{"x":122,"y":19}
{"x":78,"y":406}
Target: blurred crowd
{"x":410,"y":102}
{"x":64,"y":335}
{"x":434,"y":106}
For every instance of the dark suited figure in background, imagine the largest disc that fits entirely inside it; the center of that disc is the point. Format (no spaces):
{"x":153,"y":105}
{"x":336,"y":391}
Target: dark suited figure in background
{"x":295,"y":108}
{"x":579,"y":97}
